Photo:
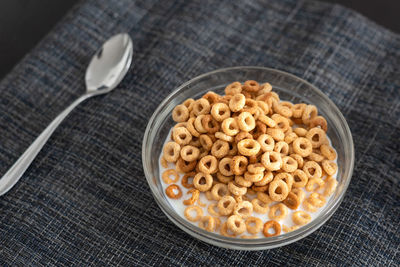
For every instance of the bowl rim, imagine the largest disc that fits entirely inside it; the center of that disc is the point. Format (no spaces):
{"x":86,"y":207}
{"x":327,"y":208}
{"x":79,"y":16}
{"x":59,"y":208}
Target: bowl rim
{"x":249,"y":244}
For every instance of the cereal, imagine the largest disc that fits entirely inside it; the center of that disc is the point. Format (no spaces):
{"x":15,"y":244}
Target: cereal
{"x":301,"y":132}
{"x":246,"y":121}
{"x":164,"y":162}
{"x":220,"y":111}
{"x":206,"y":142}
{"x":277,"y":134}
{"x":317,"y":200}
{"x":314,"y":181}
{"x":171,"y":151}
{"x":185,"y":166}
{"x":272,"y":160}
{"x":251,"y":86}
{"x":330,"y":186}
{"x":290,"y":229}
{"x":328,"y":152}
{"x":300,"y":178}
{"x":268,"y":177}
{"x":271,"y":225}
{"x":278,"y":190}
{"x":170,"y":191}
{"x":222,"y":136}
{"x":309,"y":112}
{"x":289,"y":164}
{"x":180,"y":113}
{"x":330,"y":167}
{"x":202,"y":181}
{"x":282,"y":148}
{"x":302,"y":146}
{"x":319,"y":121}
{"x":230,"y":127}
{"x":267,"y":143}
{"x":239,"y":165}
{"x":267,"y":120}
{"x":218,"y":191}
{"x":240,"y":180}
{"x":253,"y":177}
{"x":248,"y":147}
{"x":224,"y":166}
{"x":298,"y":109}
{"x":292,"y":201}
{"x":236,"y":189}
{"x":299,"y":159}
{"x":281,"y":122}
{"x":185,"y":180}
{"x":243,"y":135}
{"x":207,"y":223}
{"x":233,"y":88}
{"x":259,"y":206}
{"x":181,"y":136}
{"x":166,"y":174}
{"x":225,"y":205}
{"x":316,"y":136}
{"x":236,"y":224}
{"x":312,"y":169}
{"x":278,"y":212}
{"x":220,"y":149}
{"x":299,"y":193}
{"x":253,"y":225}
{"x":208,"y":164}
{"x":209,"y":124}
{"x":195,"y":196}
{"x":243,"y":209}
{"x":211,"y":209}
{"x":301,"y":217}
{"x":286,"y":177}
{"x":197,"y":209}
{"x":237,"y":102}
{"x":201,"y":107}
{"x":224,"y":179}
{"x":189,"y":153}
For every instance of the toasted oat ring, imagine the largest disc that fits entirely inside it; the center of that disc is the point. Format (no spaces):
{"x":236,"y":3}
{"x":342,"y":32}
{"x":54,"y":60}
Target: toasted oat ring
{"x":198,"y":124}
{"x":302,"y":146}
{"x":167,"y":173}
{"x":328,"y":152}
{"x":299,"y":159}
{"x":330,"y":186}
{"x":224,"y":137}
{"x":237,"y":102}
{"x":243,"y":135}
{"x":236,"y":224}
{"x":308,"y":206}
{"x":264,"y":88}
{"x":181,"y":136}
{"x":256,"y":168}
{"x":278,"y":212}
{"x":188,"y":102}
{"x":282,"y":147}
{"x":253,"y":177}
{"x":292,"y":201}
{"x":211,"y":97}
{"x":278,"y":190}
{"x":224,"y":167}
{"x":197,"y":209}
{"x":317,"y":200}
{"x":259,"y":206}
{"x":329,"y":167}
{"x":239,"y":165}
{"x":267,"y":120}
{"x":189,"y":153}
{"x":289,"y":164}
{"x":163,"y":162}
{"x":319,"y":121}
{"x":301,"y":217}
{"x":170,"y":191}
{"x":253,"y":225}
{"x":195,"y":142}
{"x":202,"y":181}
{"x":236,"y":190}
{"x":290,"y":137}
{"x":246,"y":121}
{"x":191,"y":128}
{"x":218,"y":191}
{"x":312,"y":182}
{"x":289,"y":229}
{"x":180,"y":113}
{"x":209,"y":124}
{"x":211,"y":209}
{"x":206,"y":142}
{"x":312,"y":169}
{"x":298,"y":109}
{"x":286,"y":177}
{"x":225,"y":205}
{"x":248,"y":147}
{"x":201,"y":107}
{"x":264,"y":106}
{"x":315,"y":157}
{"x":268,"y":177}
{"x":171,"y":151}
{"x":242,"y":182}
{"x":274,"y":225}
{"x":185,"y":166}
{"x":267,"y":143}
{"x":243,"y":209}
{"x":185,"y":180}
{"x":263,"y":188}
{"x":220,"y":149}
{"x":251,"y":86}
{"x":300,"y":178}
{"x":299,"y":193}
{"x":230,"y":127}
{"x":283,"y":110}
{"x":208,"y":164}
{"x":316,"y":136}
{"x":224,"y":179}
{"x":272,"y":161}
{"x":233,"y":88}
{"x":207,"y":223}
{"x":277,"y":134}
{"x":250,"y":106}
{"x":301,"y":132}
{"x":224,"y":230}
{"x":309,"y":113}
{"x":195,"y":196}
{"x":259,"y":130}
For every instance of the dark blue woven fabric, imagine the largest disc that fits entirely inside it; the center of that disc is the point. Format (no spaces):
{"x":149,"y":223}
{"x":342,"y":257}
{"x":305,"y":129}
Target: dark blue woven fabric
{"x":85,"y":200}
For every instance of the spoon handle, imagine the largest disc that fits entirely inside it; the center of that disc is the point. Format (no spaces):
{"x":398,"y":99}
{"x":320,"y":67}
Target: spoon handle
{"x":17,"y":170}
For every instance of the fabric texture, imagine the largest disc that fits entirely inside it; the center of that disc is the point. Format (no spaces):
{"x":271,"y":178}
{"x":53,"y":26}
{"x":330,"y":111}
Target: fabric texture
{"x":85,"y":200}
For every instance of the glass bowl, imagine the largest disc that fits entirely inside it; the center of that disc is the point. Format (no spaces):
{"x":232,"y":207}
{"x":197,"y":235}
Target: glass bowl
{"x":289,"y":88}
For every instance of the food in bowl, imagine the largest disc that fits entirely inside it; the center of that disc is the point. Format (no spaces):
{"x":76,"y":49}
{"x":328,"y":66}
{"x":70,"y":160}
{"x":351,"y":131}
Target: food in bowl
{"x":246,"y":164}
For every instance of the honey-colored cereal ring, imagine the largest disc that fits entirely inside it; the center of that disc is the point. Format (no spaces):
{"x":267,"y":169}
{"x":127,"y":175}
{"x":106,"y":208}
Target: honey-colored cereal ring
{"x":167,"y":173}
{"x":267,"y":120}
{"x":299,"y":193}
{"x":236,"y":224}
{"x":251,"y":86}
{"x":277,"y":134}
{"x":264,"y":107}
{"x":290,"y":137}
{"x":225,"y":205}
{"x":281,"y":147}
{"x":292,"y":201}
{"x":300,"y":178}
{"x":301,"y":132}
{"x":264,"y":88}
{"x":237,"y":102}
{"x":319,"y":121}
{"x":328,"y":152}
{"x":220,"y":149}
{"x":233,"y":88}
{"x":281,"y":122}
{"x":206,"y":142}
{"x":209,"y":124}
{"x":263,"y":188}
{"x":211,"y":97}
{"x":289,"y":164}
{"x":315,"y":157}
{"x":248,"y":147}
{"x":274,"y":225}
{"x":312,"y":182}
{"x":299,"y":159}
{"x":316,"y":136}
{"x":185,"y":180}
{"x":330,"y":186}
{"x":163,"y":162}
{"x":224,"y":230}
{"x":243,"y":135}
{"x":208,"y":164}
{"x":253,"y":177}
{"x":329,"y":167}
{"x":312,"y":169}
{"x":230,"y":126}
{"x":180,"y":113}
{"x":278,"y":212}
{"x":211,"y":209}
{"x":250,"y":106}
{"x":246,"y":121}
{"x":191,"y":128}
{"x":308,"y":206}
{"x":189,"y":153}
{"x":236,"y":189}
{"x":199,"y":184}
{"x":185,"y":166}
{"x":242,"y":182}
{"x":272,"y":161}
{"x":169,"y":191}
{"x":259,"y":206}
{"x":198,"y":124}
{"x":301,"y":217}
{"x":207,"y":223}
{"x":302,"y":146}
{"x":286,"y":177}
{"x":188,"y":102}
{"x":298,"y":109}
{"x":201,"y":107}
{"x":267,"y":143}
{"x":283,"y":110}
{"x":309,"y":113}
{"x":181,"y":136}
{"x":259,"y":130}
{"x":195,"y":142}
{"x":195,"y":196}
{"x":224,"y":179}
{"x":253,"y":225}
{"x":243,"y":209}
{"x":256,"y":168}
{"x":197,"y":209}
{"x":287,"y":229}
{"x":224,"y":166}
{"x":268,"y":177}
{"x":281,"y":194}
{"x":317,"y":200}
{"x":224,"y":137}
{"x":171,"y":151}
{"x":218,"y":191}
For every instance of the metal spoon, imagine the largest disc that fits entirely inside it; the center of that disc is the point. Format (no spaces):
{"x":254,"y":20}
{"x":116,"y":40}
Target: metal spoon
{"x":105,"y":71}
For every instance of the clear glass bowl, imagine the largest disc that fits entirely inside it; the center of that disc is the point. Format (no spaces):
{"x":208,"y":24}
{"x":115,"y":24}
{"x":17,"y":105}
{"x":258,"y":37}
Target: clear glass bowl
{"x":289,"y":88}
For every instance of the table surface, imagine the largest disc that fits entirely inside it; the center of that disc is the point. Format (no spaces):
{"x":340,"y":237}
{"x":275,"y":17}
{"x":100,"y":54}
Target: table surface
{"x":23,"y":23}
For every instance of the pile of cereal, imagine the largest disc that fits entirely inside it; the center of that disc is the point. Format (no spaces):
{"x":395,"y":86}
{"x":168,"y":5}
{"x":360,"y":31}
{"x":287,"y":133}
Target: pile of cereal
{"x":247,"y":151}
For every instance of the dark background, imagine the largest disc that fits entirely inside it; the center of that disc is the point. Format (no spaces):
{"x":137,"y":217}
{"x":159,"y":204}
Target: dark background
{"x":24,"y":22}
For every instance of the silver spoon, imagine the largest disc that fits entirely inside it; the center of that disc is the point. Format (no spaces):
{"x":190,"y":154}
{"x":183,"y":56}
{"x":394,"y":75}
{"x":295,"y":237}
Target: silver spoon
{"x":105,"y":71}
